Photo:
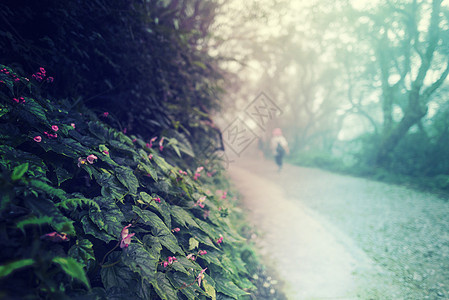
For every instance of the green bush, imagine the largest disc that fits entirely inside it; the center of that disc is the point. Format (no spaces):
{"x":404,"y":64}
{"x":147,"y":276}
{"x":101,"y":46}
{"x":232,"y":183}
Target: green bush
{"x":90,"y":212}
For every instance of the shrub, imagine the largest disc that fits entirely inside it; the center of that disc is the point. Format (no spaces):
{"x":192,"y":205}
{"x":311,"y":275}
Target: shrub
{"x":88,"y":211}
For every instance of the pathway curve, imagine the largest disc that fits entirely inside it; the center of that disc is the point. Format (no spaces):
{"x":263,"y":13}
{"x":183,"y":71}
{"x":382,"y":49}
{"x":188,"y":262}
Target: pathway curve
{"x":330,"y":236}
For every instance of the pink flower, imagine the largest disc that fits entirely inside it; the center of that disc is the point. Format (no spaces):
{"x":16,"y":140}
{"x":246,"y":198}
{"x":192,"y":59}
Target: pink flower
{"x":158,"y":200}
{"x":177,"y":229}
{"x":182,"y":172}
{"x":106,"y":152}
{"x":17,"y":79}
{"x":55,"y":128}
{"x":134,"y":140}
{"x":50,"y":79}
{"x":125,"y":130}
{"x":151,"y":142}
{"x":73,"y":125}
{"x":220,"y":240}
{"x":202,"y":252}
{"x":51,"y":135}
{"x":91,"y":158}
{"x":200,"y":201}
{"x":161,"y":147}
{"x":225,"y":193}
{"x":197,"y":173}
{"x":150,"y":156}
{"x":171,"y":260}
{"x":55,"y":237}
{"x":15,"y":100}
{"x":105,"y":114}
{"x":81,"y":161}
{"x":200,"y":276}
{"x":42,"y":70}
{"x":37,"y":138}
{"x":126,"y":237}
{"x":190,"y":256}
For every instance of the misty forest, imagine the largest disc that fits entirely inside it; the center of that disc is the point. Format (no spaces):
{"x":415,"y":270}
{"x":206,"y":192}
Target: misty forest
{"x":135,"y":135}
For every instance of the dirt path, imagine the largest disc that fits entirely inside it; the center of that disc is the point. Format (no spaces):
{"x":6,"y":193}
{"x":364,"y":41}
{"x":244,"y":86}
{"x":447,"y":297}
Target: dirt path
{"x":337,"y":237}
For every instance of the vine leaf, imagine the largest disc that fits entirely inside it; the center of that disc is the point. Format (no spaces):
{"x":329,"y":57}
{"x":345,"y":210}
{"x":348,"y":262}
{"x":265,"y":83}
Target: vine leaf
{"x":72,"y":268}
{"x":83,"y":252}
{"x":109,"y":217}
{"x":118,"y":275}
{"x":159,"y":230}
{"x":227,"y":287}
{"x":19,"y":171}
{"x":139,"y":260}
{"x":7,"y":269}
{"x":126,"y":177}
{"x":163,"y":288}
{"x":34,"y":220}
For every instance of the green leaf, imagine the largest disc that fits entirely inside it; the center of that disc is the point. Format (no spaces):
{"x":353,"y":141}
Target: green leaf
{"x":163,"y":208}
{"x":19,"y":171}
{"x":74,"y":203}
{"x":7,"y":269}
{"x":180,"y":281}
{"x":109,"y":218}
{"x":122,"y":147}
{"x":90,"y":228}
{"x":44,"y":207}
{"x":82,"y":251}
{"x":163,"y":288}
{"x":214,"y":257}
{"x":145,"y":167}
{"x":116,"y":273}
{"x":227,"y":287}
{"x":63,"y":175}
{"x":4,"y":110}
{"x":202,"y":237}
{"x":34,"y":221}
{"x":193,"y":243}
{"x":200,"y":64}
{"x":48,"y":189}
{"x":153,"y":245}
{"x":126,"y":177}
{"x":159,"y":230}
{"x":111,"y":187}
{"x":98,"y":130}
{"x":65,"y":146}
{"x":210,"y":290}
{"x":182,"y":143}
{"x":183,"y":217}
{"x":36,"y":111}
{"x":165,"y":167}
{"x":72,"y":268}
{"x":139,"y":260}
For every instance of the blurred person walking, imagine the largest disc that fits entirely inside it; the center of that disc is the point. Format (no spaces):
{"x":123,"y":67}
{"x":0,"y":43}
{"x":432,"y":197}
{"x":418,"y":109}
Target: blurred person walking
{"x":279,"y":147}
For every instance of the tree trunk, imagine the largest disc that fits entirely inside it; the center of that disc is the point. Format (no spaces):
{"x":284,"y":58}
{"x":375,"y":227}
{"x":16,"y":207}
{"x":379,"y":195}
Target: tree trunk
{"x":411,"y":117}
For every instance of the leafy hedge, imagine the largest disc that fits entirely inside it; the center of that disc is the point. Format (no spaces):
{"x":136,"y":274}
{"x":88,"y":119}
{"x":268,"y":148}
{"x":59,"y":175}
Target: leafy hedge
{"x":90,"y":212}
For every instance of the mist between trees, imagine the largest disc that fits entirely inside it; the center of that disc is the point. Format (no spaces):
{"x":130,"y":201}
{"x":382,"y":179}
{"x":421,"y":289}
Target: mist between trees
{"x":362,"y":85}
